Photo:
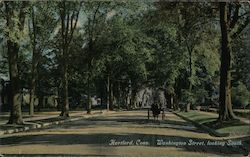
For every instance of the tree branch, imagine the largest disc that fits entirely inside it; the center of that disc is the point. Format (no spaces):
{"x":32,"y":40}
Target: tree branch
{"x":229,"y":12}
{"x":241,"y":28}
{"x":22,"y":15}
{"x":75,"y":16}
{"x":66,"y":31}
{"x":246,"y":13}
{"x":93,"y":21}
{"x":235,"y":17}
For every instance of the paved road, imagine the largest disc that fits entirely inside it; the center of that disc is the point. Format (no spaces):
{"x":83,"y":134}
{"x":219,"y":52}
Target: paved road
{"x":121,"y":134}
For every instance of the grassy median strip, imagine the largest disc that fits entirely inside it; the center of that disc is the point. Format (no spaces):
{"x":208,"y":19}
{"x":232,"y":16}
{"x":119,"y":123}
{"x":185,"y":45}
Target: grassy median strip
{"x":235,"y":127}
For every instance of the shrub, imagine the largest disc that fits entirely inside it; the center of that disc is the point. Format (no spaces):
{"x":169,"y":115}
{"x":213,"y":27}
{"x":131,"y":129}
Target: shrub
{"x":240,"y":96}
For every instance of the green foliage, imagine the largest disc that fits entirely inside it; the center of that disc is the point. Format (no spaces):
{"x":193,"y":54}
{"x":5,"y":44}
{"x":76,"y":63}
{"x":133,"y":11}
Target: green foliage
{"x":137,"y":44}
{"x":187,"y":96}
{"x":122,"y":51}
{"x":240,"y":95}
{"x":3,"y":62}
{"x":14,"y":32}
{"x":200,"y":96}
{"x":167,"y":58}
{"x":240,"y":59}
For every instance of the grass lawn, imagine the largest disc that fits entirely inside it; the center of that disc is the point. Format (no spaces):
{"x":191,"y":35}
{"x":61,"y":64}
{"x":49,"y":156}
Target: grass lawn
{"x":233,"y":127}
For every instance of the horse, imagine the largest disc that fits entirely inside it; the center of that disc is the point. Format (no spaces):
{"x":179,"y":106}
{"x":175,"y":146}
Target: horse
{"x":155,"y":110}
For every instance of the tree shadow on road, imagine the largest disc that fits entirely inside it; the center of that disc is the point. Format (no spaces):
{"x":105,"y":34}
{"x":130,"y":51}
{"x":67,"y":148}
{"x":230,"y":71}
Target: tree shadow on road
{"x":135,"y":122}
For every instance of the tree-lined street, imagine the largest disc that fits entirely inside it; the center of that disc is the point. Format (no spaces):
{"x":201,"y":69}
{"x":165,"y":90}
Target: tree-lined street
{"x":82,"y":77}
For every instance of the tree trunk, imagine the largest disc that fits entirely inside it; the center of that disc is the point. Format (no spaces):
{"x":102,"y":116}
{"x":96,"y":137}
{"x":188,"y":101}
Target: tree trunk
{"x":190,"y":71}
{"x":34,"y":66}
{"x":65,"y":48}
{"x":225,"y":109}
{"x":89,"y":97}
{"x":33,"y":84}
{"x":119,"y":95}
{"x":68,"y":25}
{"x":40,"y":103}
{"x":111,"y":96}
{"x":190,"y":49}
{"x":133,"y":98}
{"x":101,"y":98}
{"x":13,"y":49}
{"x":65,"y":107}
{"x":129,"y":94}
{"x":127,"y":98}
{"x":108,"y":89}
{"x":171,"y":101}
{"x":32,"y":94}
{"x":16,"y":112}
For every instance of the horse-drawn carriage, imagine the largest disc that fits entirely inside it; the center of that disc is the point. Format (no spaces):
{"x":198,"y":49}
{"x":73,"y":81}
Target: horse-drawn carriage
{"x":156,"y":111}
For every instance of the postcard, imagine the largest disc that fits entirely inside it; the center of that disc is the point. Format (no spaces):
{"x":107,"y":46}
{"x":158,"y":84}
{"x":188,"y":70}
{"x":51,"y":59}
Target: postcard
{"x":141,"y":78}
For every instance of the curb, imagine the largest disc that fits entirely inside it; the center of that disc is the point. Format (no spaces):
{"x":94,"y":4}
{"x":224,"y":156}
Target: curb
{"x":44,"y":125}
{"x":207,"y":129}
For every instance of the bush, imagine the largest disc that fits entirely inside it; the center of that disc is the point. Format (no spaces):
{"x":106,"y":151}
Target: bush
{"x":240,"y":96}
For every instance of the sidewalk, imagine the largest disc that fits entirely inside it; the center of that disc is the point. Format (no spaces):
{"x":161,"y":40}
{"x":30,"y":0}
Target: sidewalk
{"x":4,"y":116}
{"x":245,"y":120}
{"x":43,"y":119}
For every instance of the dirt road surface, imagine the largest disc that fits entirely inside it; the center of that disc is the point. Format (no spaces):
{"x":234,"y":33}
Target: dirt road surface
{"x":126,"y":133}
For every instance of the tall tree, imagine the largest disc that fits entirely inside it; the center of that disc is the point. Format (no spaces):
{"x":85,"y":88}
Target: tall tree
{"x":91,"y":36}
{"x":69,"y":12}
{"x":15,"y":17}
{"x":33,"y":35}
{"x":229,"y":18}
{"x":41,"y":28}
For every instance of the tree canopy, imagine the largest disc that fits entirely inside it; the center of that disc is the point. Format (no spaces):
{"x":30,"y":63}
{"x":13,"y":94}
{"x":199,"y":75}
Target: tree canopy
{"x":113,"y":50}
